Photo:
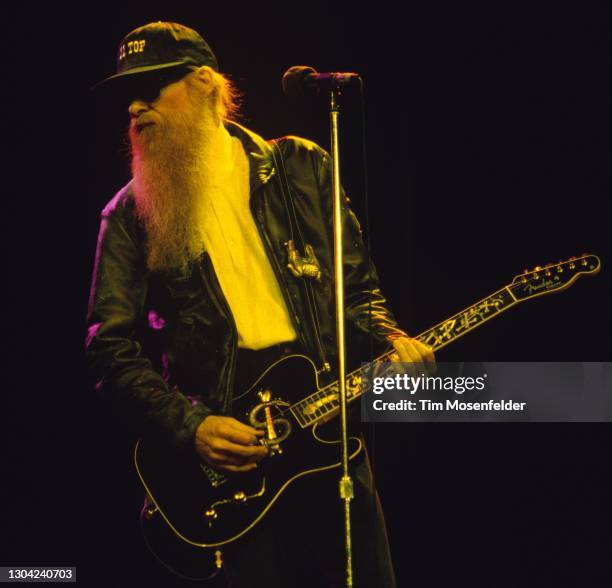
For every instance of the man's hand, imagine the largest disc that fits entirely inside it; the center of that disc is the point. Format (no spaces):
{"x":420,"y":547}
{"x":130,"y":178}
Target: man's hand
{"x":413,"y":352}
{"x":228,"y":444}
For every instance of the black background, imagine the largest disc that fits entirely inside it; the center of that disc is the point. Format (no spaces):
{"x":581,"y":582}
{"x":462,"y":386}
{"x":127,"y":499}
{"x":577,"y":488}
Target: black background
{"x":488,"y":146}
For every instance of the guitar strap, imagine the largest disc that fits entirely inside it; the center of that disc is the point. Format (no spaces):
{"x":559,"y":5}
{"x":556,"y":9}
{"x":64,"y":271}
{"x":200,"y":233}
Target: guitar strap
{"x":297,"y":240}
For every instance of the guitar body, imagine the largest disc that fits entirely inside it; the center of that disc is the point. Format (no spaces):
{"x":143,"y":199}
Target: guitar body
{"x":208,"y":509}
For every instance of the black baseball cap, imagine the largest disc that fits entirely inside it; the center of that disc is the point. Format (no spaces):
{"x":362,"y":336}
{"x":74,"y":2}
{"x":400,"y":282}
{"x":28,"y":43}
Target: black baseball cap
{"x":160,"y":46}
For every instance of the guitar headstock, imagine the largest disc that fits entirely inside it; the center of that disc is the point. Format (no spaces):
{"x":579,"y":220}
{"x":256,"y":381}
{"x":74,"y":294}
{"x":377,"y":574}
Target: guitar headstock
{"x":553,"y":277}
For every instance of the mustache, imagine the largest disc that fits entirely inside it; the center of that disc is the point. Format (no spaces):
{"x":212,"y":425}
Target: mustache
{"x":139,"y":130}
{"x":148,"y":118}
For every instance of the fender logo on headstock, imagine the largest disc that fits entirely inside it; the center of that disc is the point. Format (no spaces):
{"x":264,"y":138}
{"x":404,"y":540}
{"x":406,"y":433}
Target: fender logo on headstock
{"x":544,"y":285}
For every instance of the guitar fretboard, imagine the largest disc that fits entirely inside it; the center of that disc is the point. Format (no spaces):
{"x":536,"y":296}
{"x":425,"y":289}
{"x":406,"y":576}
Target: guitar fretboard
{"x":468,"y":319}
{"x":325,"y":403}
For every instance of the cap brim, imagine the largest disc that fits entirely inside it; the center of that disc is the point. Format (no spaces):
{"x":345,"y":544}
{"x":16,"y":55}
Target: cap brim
{"x":138,"y":70}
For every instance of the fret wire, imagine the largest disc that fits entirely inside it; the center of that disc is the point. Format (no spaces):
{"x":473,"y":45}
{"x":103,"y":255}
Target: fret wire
{"x":299,"y":418}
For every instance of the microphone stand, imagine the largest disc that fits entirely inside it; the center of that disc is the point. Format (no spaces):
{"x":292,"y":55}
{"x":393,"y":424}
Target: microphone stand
{"x":346,"y":483}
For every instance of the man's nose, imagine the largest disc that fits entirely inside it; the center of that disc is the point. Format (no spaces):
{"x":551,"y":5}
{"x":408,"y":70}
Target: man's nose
{"x":137,"y":107}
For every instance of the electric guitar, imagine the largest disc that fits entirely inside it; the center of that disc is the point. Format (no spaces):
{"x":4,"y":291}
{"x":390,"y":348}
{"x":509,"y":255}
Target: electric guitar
{"x":205,"y":509}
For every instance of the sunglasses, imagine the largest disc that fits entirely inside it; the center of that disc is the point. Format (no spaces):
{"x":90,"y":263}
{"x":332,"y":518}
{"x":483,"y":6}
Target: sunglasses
{"x":148,"y":86}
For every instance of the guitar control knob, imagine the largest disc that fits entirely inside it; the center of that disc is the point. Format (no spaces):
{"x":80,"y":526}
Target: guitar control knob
{"x":150,"y":511}
{"x":211,"y":514}
{"x":240,"y":497}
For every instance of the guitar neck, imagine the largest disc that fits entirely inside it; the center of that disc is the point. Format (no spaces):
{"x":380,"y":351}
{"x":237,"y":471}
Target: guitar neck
{"x":324,"y":404}
{"x":467,"y":320}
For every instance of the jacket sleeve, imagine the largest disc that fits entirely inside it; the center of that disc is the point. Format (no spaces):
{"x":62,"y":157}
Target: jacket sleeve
{"x":138,"y":394}
{"x":365,"y":306}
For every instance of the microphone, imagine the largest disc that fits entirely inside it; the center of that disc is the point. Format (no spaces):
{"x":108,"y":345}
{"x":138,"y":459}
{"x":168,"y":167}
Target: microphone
{"x":303,"y":79}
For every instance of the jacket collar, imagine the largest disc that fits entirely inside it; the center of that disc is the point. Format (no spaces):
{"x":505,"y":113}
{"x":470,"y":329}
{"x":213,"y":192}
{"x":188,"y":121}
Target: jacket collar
{"x":259,"y":152}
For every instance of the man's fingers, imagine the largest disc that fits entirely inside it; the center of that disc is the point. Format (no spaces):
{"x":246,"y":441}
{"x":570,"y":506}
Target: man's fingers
{"x":224,"y":441}
{"x":427,"y":353}
{"x":238,"y":437}
{"x":415,"y":354}
{"x":408,"y":356}
{"x":237,"y":432}
{"x":239,"y":426}
{"x":243,"y":451}
{"x":236,"y":424}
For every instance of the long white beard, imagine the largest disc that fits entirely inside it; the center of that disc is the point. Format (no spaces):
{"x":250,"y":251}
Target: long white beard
{"x":174,"y":166}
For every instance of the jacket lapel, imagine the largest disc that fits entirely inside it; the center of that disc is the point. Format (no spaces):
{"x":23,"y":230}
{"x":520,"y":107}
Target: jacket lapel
{"x":259,"y":153}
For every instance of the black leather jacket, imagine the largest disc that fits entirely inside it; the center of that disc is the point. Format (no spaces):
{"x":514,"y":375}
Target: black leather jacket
{"x":153,"y":339}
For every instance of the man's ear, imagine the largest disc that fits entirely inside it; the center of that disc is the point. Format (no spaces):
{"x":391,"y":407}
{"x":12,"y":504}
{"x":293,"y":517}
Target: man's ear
{"x":204,"y":76}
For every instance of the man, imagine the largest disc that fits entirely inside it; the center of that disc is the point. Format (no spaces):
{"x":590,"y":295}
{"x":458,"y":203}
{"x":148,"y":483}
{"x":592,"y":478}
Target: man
{"x":195,"y":292}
